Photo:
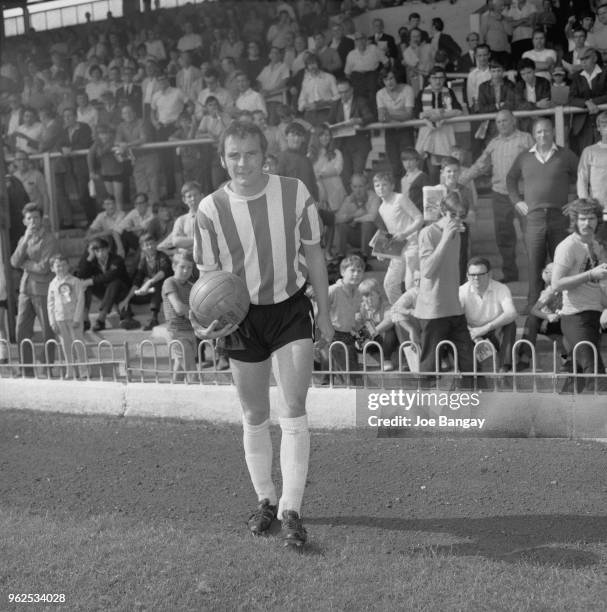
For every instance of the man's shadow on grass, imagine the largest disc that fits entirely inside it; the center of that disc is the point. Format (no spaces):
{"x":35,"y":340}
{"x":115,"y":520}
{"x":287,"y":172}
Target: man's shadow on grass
{"x":535,"y":539}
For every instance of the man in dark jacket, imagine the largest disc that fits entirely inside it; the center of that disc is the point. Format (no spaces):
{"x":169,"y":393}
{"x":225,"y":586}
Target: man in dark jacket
{"x":351,"y":111}
{"x":105,"y":277}
{"x":531,"y":92}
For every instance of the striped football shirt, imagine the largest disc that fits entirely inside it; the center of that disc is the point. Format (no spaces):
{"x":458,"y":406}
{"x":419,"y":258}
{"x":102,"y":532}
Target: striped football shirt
{"x":259,"y":238}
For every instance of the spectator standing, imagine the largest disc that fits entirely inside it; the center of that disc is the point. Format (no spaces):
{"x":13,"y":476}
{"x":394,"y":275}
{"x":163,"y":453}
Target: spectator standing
{"x":480,"y":74}
{"x":106,"y":224}
{"x":521,"y":18}
{"x":189,"y":78}
{"x":499,"y":156}
{"x":32,"y":255}
{"x":597,"y":38}
{"x":572,"y":60}
{"x":544,"y":58}
{"x":413,"y":180}
{"x":253,"y":63}
{"x":318,"y":92}
{"x":352,"y":111}
{"x":579,"y":269}
{"x":129,"y":92}
{"x":417,"y":60}
{"x":546,"y":171}
{"x":441,"y":41}
{"x":213,"y":88}
{"x":341,"y":43}
{"x":135,"y":222}
{"x":85,"y":111}
{"x":103,"y":165}
{"x":497,"y":93}
{"x":438,"y":309}
{"x":248,"y":99}
{"x":467,"y":60}
{"x":328,"y":57}
{"x":32,"y":180}
{"x":27,"y":135}
{"x":494,"y":32}
{"x":182,"y":234}
{"x":588,"y":89}
{"x":395,"y":102}
{"x":272,"y":81}
{"x":384,"y":41}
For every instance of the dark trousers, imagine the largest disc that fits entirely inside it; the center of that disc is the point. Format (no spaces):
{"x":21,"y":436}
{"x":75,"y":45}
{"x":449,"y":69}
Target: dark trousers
{"x":546,"y":227}
{"x":355,"y":150}
{"x":503,"y":340}
{"x":364,"y":85}
{"x":153,"y":299}
{"x":109,"y":294}
{"x":584,"y":325}
{"x":356,"y":234}
{"x":397,"y":140}
{"x":452,"y":328}
{"x":30,"y":308}
{"x":167,"y":158}
{"x":534,"y":326}
{"x":505,"y":235}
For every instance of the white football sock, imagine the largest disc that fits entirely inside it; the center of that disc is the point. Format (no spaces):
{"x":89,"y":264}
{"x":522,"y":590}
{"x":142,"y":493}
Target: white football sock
{"x":294,"y":457}
{"x":258,"y":455}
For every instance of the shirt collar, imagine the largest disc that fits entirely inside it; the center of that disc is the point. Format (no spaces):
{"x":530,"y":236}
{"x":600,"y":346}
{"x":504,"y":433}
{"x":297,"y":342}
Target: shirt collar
{"x":546,"y":157}
{"x":589,"y":77}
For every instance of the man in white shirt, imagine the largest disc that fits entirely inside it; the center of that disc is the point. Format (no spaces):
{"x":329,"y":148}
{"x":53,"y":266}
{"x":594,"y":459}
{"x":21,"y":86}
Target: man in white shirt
{"x":598,"y":37}
{"x":478,"y":75}
{"x":489,"y":310}
{"x":544,"y":58}
{"x":521,"y":17}
{"x":190,"y":41}
{"x":248,"y":99}
{"x":318,"y":92}
{"x":189,"y":78}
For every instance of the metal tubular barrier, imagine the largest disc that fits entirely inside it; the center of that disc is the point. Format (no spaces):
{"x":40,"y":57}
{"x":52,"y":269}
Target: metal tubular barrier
{"x":173,"y":358}
{"x":26,"y":363}
{"x":366,"y":347}
{"x":141,"y":368}
{"x":595,"y":357}
{"x":515,"y":373}
{"x":474,"y":355}
{"x":48,"y":359}
{"x":437,"y":356}
{"x":341,"y":344}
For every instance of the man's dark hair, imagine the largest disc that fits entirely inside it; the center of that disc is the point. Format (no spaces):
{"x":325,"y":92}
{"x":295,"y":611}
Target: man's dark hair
{"x":242,"y":131}
{"x":438,"y":24}
{"x":32,"y":207}
{"x":478,"y":261}
{"x":525,"y":62}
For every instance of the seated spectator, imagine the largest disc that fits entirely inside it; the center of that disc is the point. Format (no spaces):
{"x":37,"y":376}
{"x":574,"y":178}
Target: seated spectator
{"x":106,"y":224}
{"x":286,"y":116}
{"x":498,"y":92}
{"x":489,"y":310}
{"x":572,"y":59}
{"x":213,"y":123}
{"x":344,"y":304}
{"x":103,"y":165}
{"x":129,"y":92}
{"x":108,"y":111}
{"x":418,"y":60}
{"x":328,"y":58}
{"x":161,"y":225}
{"x":248,"y":99}
{"x":406,"y":325}
{"x":104,"y":276}
{"x":253,"y":63}
{"x":376,"y":321}
{"x":96,"y":85}
{"x":271,"y":132}
{"x":135,"y":222}
{"x":175,"y":295}
{"x":272,"y":81}
{"x":467,"y":60}
{"x":559,"y":90}
{"x":544,"y":318}
{"x":413,"y":180}
{"x":182,"y":234}
{"x":32,"y":255}
{"x":231,"y":46}
{"x":395,"y":102}
{"x":355,"y":219}
{"x":32,"y":181}
{"x":402,"y":220}
{"x":229,"y":76}
{"x":190,"y":41}
{"x":294,"y":163}
{"x":318,"y":92}
{"x":146,"y":287}
{"x":434,"y":104}
{"x":341,"y":43}
{"x":328,"y":164}
{"x":477,"y":76}
{"x":544,"y":58}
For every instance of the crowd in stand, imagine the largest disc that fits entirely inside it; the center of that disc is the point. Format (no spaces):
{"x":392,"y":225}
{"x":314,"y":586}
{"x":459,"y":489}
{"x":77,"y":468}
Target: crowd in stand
{"x":308,"y":80}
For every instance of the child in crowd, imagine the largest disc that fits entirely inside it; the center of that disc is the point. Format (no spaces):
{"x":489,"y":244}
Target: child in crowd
{"x":406,"y":325}
{"x":270,"y":164}
{"x":153,"y":268}
{"x":376,"y":320}
{"x":176,"y":305}
{"x":402,"y":220}
{"x":414,"y":180}
{"x":65,"y":305}
{"x":344,"y":305}
{"x":544,"y":318}
{"x":449,"y":177}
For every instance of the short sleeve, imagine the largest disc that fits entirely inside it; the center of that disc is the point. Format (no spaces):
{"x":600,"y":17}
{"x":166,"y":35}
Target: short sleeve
{"x":206,"y":251}
{"x":309,"y":229}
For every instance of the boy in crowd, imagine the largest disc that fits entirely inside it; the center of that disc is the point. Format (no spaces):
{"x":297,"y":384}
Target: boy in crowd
{"x":294,"y":163}
{"x":153,"y":268}
{"x":106,"y":225}
{"x":402,"y":220}
{"x":344,"y":304}
{"x":65,"y":305}
{"x":135,"y":223}
{"x":175,"y":304}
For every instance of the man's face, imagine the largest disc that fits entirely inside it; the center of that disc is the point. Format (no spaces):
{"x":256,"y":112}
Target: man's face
{"x":110,"y":207}
{"x":243,"y":159}
{"x":378,"y":26}
{"x":504,"y":123}
{"x":413,"y":22}
{"x":359,"y":188}
{"x":539,"y":41}
{"x":602,"y":15}
{"x":479,"y":277}
{"x":141,"y":205}
{"x":28,"y":117}
{"x":182,"y":270}
{"x":337,"y":31}
{"x":437,"y":81}
{"x":482,"y":57}
{"x":101,"y":252}
{"x":294,"y":140}
{"x":586,"y":224}
{"x":361,"y":42}
{"x":473,"y":41}
{"x":588,"y":61}
{"x":543,"y":133}
{"x":383,"y":188}
{"x":579,"y":38}
{"x":497,"y":74}
{"x":81,"y":100}
{"x":259,"y":119}
{"x":415,"y":38}
{"x":211,"y":82}
{"x":319,"y":41}
{"x":345,"y":92}
{"x":602,"y":128}
{"x":69,"y":118}
{"x":163,"y":81}
{"x":128,"y":114}
{"x":242,"y":83}
{"x":21,"y":161}
{"x":185,"y":60}
{"x":528,"y":75}
{"x":148,"y":247}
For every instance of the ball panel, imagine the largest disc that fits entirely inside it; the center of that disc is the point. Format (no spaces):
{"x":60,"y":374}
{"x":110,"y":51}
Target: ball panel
{"x":219,"y":295}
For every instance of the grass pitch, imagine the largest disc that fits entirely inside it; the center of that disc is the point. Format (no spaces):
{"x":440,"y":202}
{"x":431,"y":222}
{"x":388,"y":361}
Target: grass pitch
{"x":123,"y":514}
